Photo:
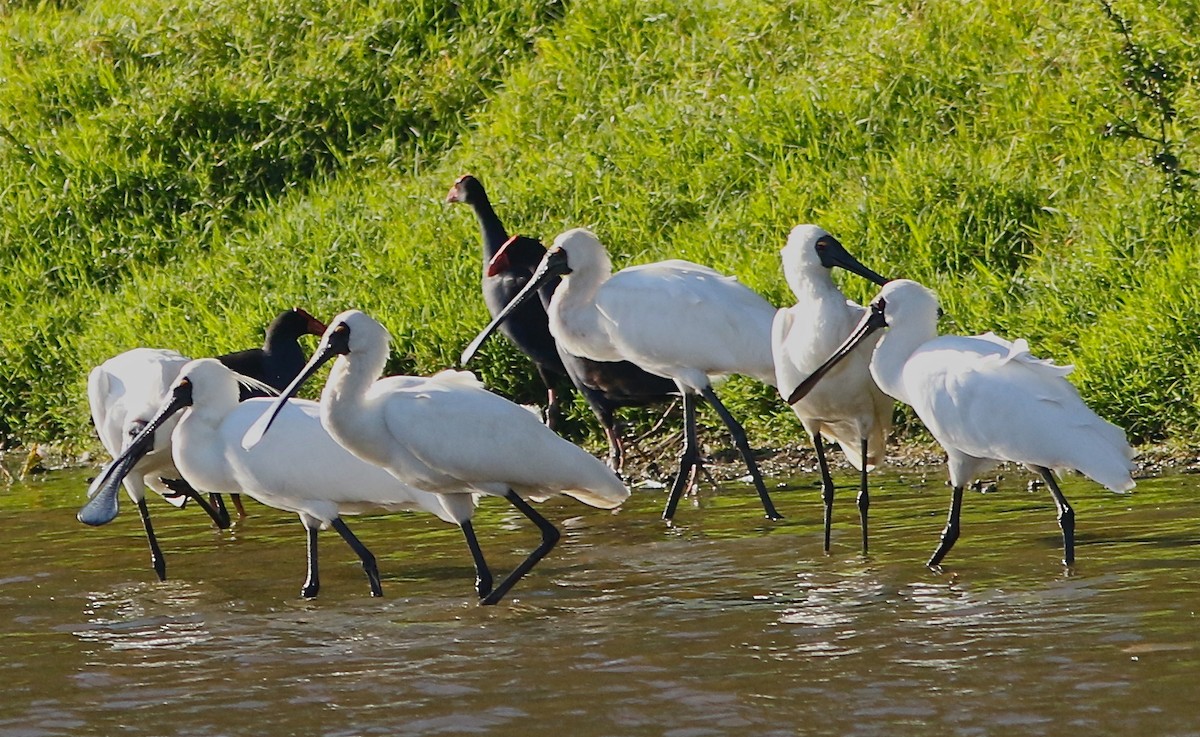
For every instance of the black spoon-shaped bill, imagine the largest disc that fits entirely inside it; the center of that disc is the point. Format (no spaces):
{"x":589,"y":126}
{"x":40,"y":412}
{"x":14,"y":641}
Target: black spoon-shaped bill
{"x":102,"y":504}
{"x":833,"y":253}
{"x":872,"y":321}
{"x":554,"y":264}
{"x":335,"y":342}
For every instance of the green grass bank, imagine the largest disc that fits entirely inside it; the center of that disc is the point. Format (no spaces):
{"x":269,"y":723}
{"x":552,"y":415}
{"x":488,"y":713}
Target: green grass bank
{"x":174,"y":173}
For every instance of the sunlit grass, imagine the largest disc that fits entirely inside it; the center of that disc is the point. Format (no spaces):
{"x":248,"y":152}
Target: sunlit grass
{"x":177,"y":173}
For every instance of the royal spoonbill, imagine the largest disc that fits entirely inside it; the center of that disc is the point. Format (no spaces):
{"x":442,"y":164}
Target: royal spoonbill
{"x":508,"y":264}
{"x":125,"y":391}
{"x":985,"y":400}
{"x":445,"y":433}
{"x":847,"y":406}
{"x":672,"y":318}
{"x":300,"y":468}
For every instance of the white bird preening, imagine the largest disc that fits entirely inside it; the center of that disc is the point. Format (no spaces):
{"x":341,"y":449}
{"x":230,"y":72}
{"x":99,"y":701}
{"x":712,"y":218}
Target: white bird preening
{"x":672,"y":318}
{"x":127,"y":390}
{"x":445,"y":433}
{"x":300,"y":468}
{"x":124,"y":393}
{"x":847,"y":406}
{"x":985,"y":400}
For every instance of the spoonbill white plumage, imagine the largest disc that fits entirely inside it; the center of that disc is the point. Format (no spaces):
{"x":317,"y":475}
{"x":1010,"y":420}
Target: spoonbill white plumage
{"x":847,"y":406}
{"x":445,"y":433}
{"x":672,"y":318}
{"x":509,"y":262}
{"x":125,"y":391}
{"x":300,"y":468}
{"x":985,"y":400}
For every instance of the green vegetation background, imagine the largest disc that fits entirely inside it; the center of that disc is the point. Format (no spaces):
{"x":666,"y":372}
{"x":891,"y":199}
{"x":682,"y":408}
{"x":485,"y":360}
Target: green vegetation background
{"x":174,"y":173}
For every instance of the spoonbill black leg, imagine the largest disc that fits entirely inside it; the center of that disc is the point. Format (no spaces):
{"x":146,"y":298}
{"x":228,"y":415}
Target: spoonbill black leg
{"x":1066,"y":515}
{"x":826,"y":484}
{"x":216,"y":510}
{"x":312,"y":582}
{"x":739,"y":439}
{"x":483,"y":576}
{"x":368,"y":559}
{"x":950,"y":534}
{"x":688,"y":460}
{"x":864,"y":497}
{"x":156,"y":555}
{"x":550,"y":535}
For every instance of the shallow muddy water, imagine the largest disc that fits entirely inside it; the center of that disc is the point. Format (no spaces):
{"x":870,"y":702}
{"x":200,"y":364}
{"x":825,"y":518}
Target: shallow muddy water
{"x":725,"y":624}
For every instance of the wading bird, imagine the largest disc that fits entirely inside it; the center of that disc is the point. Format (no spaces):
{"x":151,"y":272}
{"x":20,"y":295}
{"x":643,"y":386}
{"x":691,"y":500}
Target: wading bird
{"x":847,"y":406}
{"x":125,"y":391}
{"x":445,"y":433}
{"x":300,"y":468}
{"x":985,"y":400}
{"x":672,"y":318}
{"x":509,"y":262}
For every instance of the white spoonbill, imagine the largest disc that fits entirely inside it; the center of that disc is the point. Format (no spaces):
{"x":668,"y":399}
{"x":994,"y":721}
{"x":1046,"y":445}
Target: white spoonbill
{"x":299,"y":469}
{"x":445,"y":433}
{"x":672,"y":318}
{"x":985,"y":400}
{"x":125,"y":391}
{"x":847,"y":406}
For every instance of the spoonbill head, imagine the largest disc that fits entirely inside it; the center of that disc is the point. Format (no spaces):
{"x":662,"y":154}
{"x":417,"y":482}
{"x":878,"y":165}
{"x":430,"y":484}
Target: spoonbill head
{"x":985,"y":400}
{"x":299,"y":469}
{"x":847,"y":407}
{"x":127,"y":390}
{"x":123,"y":394}
{"x":445,"y":433}
{"x":605,"y":385}
{"x":673,"y":318}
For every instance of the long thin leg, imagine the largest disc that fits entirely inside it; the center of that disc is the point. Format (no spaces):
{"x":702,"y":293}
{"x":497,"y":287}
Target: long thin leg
{"x":826,"y":484}
{"x":950,"y":533}
{"x":554,"y":411}
{"x":483,"y":576}
{"x":688,"y":459}
{"x":312,"y":583}
{"x":550,"y":535}
{"x":237,"y":504}
{"x":368,"y":560}
{"x":864,"y":498}
{"x":1066,"y":515}
{"x":216,"y":510}
{"x":156,"y":555}
{"x":743,"y":445}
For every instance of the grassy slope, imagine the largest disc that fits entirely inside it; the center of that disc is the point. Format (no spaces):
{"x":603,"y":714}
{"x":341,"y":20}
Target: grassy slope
{"x":183,"y":174}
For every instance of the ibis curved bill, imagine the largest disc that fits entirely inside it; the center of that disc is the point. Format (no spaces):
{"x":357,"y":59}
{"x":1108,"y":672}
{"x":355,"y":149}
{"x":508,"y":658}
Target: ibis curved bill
{"x":444,"y":433}
{"x":985,"y":400}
